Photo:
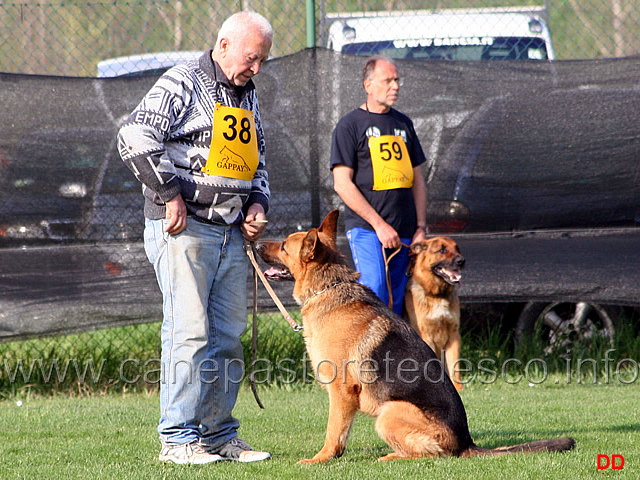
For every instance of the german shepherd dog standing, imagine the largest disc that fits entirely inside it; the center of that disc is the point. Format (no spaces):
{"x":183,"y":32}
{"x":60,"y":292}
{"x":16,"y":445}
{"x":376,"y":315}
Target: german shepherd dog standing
{"x":370,"y":360}
{"x":431,"y":303}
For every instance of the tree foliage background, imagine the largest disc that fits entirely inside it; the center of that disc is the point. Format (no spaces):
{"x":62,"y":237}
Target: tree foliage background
{"x":70,"y":38}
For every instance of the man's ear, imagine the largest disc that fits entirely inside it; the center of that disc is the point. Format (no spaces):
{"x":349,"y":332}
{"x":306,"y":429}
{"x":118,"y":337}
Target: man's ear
{"x":223,"y":46}
{"x":367,"y":86}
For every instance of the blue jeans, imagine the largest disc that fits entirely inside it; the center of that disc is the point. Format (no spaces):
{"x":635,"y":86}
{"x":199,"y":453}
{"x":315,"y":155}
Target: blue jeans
{"x":366,"y":251}
{"x":202,"y":273}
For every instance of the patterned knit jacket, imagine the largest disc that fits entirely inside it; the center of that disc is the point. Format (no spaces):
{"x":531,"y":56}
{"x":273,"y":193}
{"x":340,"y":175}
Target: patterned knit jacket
{"x":166,"y":141}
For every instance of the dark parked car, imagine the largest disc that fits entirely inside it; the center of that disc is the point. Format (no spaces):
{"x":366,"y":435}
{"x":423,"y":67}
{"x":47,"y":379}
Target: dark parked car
{"x":556,"y":221}
{"x":71,"y":225}
{"x":68,"y":186}
{"x":585,"y":175}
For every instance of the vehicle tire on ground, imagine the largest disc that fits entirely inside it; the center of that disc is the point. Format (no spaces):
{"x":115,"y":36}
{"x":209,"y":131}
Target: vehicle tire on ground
{"x":564,"y":326}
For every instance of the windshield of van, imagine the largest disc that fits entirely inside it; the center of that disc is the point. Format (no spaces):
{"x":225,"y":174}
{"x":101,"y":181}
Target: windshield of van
{"x":485,"y":48}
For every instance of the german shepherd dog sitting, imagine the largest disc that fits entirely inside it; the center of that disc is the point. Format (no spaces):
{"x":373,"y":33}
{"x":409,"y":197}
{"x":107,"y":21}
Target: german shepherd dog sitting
{"x":431,"y":303}
{"x":371,"y":360}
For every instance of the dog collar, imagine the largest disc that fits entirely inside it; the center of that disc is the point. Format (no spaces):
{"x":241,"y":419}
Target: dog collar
{"x":315,"y":294}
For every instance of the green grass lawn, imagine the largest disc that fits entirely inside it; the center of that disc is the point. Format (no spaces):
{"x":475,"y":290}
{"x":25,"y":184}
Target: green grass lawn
{"x":114,"y":437}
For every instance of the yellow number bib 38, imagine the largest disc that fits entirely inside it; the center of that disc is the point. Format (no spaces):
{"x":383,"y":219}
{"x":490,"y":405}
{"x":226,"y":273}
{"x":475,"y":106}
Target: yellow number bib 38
{"x":234,"y":148}
{"x":391,"y":163}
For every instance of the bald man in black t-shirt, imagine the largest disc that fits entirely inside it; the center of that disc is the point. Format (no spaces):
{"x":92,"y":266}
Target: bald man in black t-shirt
{"x":375,"y":160}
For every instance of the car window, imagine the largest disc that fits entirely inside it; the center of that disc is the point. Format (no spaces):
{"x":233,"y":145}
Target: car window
{"x":589,"y":149}
{"x":499,"y":48}
{"x":50,"y":159}
{"x":61,"y":158}
{"x":118,"y":178}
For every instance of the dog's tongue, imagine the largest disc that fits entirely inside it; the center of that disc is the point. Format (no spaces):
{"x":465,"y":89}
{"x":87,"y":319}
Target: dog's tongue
{"x":272,"y":272}
{"x":452,"y":277}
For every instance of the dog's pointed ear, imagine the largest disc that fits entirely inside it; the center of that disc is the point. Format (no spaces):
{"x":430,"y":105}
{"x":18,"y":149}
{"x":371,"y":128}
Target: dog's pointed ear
{"x":329,"y":225}
{"x":308,"y":250}
{"x":416,"y":248}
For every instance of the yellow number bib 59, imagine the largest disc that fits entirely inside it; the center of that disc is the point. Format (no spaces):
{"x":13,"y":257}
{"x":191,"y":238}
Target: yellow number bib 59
{"x":234,"y":148}
{"x":391,"y":163}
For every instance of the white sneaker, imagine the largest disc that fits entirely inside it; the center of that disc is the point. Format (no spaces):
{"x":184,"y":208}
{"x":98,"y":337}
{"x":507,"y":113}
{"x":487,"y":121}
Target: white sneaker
{"x":240,"y":451}
{"x":192,"y":453}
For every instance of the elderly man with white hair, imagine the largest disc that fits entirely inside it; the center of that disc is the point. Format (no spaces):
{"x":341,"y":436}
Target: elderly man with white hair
{"x":196,"y":144}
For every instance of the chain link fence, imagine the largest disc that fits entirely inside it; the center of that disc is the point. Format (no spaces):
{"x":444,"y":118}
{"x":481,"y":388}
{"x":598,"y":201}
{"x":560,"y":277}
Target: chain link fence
{"x":70,"y":39}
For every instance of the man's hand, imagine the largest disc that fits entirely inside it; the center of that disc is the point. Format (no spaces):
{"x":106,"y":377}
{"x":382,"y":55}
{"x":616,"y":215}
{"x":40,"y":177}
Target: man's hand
{"x":176,"y":214}
{"x":252,"y":232}
{"x":388,"y":236}
{"x":420,"y":235}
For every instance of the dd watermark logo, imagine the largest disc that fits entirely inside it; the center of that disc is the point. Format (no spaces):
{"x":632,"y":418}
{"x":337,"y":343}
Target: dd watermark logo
{"x":614,"y":462}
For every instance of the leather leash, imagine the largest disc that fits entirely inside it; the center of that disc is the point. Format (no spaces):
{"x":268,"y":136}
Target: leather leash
{"x":254,"y":341}
{"x":386,"y":269}
{"x":251,"y":252}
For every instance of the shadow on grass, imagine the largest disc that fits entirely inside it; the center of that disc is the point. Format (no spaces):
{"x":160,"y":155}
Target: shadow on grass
{"x":498,"y":438}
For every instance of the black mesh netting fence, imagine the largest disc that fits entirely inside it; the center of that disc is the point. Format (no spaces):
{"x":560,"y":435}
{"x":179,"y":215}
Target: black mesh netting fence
{"x":512,"y":147}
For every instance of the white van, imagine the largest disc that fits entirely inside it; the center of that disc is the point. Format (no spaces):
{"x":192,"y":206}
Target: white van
{"x":460,"y":34}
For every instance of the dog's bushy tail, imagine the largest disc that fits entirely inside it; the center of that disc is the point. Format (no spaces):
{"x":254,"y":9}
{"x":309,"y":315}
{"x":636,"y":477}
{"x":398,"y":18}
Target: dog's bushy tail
{"x":555,"y":445}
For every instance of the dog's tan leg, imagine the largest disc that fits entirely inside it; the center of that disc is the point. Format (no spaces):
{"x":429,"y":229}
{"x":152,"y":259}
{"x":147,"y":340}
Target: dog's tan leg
{"x":452,"y":355}
{"x":436,"y":349}
{"x":408,"y":431}
{"x":343,"y":405}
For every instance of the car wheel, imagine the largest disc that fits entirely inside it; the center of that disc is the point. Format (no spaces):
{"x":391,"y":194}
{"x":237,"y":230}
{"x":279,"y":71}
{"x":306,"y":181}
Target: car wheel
{"x":563,"y":327}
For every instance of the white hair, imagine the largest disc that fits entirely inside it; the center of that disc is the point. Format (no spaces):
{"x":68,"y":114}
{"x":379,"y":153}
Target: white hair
{"x":239,"y":22}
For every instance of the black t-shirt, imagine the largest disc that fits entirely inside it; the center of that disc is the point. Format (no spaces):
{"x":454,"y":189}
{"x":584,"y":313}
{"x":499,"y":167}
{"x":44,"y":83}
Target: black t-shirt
{"x":350,"y":147}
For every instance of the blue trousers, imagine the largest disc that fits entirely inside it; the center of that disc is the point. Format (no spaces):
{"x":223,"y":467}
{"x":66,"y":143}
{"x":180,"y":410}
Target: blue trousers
{"x":368,"y":260}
